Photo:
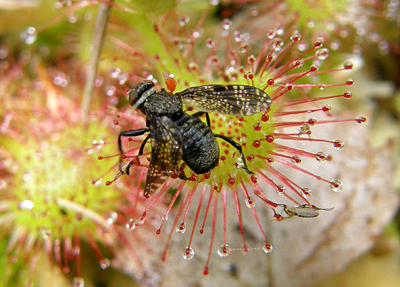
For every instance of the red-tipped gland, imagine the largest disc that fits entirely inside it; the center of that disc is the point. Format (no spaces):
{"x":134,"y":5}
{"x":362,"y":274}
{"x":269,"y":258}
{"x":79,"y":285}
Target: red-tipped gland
{"x":269,"y":138}
{"x":256,"y":144}
{"x":264,"y":117}
{"x":312,"y":121}
{"x":326,"y":108}
{"x":314,"y":68}
{"x":251,"y":59}
{"x":318,"y":44}
{"x":269,"y":159}
{"x":250,"y":158}
{"x":257,"y":126}
{"x":348,"y":65}
{"x":295,"y":38}
{"x":347,"y":95}
{"x":361,"y":120}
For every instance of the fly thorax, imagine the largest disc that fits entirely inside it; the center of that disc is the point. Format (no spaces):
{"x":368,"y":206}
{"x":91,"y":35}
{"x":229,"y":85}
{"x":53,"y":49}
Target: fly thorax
{"x":162,"y":104}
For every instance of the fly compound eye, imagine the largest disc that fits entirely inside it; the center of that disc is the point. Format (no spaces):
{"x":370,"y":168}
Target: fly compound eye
{"x":133,"y":95}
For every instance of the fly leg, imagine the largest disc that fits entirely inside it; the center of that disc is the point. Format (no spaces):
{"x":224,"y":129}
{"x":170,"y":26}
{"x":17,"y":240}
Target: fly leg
{"x":131,"y":133}
{"x":227,"y":139}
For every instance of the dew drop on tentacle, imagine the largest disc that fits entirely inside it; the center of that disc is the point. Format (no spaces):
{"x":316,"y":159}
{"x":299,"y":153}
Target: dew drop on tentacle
{"x":181,"y":227}
{"x":104,"y":263}
{"x":306,"y":192}
{"x":141,"y":220}
{"x":224,"y":250}
{"x":336,"y":185}
{"x":322,"y":54}
{"x":321,"y":156}
{"x":338,"y":144}
{"x":188,"y":253}
{"x":250,"y":203}
{"x":280,"y":189}
{"x":296,"y":159}
{"x":348,"y":65}
{"x":29,"y":35}
{"x":267,"y":248}
{"x":78,"y":282}
{"x":130,"y":225}
{"x":361,"y":120}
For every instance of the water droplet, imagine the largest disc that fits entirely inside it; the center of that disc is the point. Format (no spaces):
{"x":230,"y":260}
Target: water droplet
{"x":322,"y":54}
{"x":295,"y":38}
{"x":344,"y":33}
{"x":188,"y":253}
{"x":302,"y":46}
{"x":3,"y":53}
{"x":110,"y":91}
{"x":112,"y":218}
{"x":209,"y":43}
{"x":257,"y":126}
{"x":183,"y":21}
{"x":269,"y":138}
{"x":226,"y":24}
{"x":3,"y":184}
{"x":271,"y":34}
{"x":336,"y":185}
{"x":338,"y":144}
{"x":26,"y":204}
{"x":122,"y":79}
{"x":141,"y":220}
{"x":73,"y":18}
{"x":45,"y":233}
{"x":104,"y":263}
{"x":26,"y":176}
{"x":280,"y":189}
{"x":256,"y":144}
{"x":360,"y":120}
{"x":130,"y":225}
{"x":296,"y":159}
{"x":224,"y":250}
{"x":267,"y":248}
{"x":348,"y":65}
{"x":250,"y":203}
{"x":76,"y":251}
{"x":306,"y":192}
{"x":321,"y":156}
{"x":29,"y":35}
{"x":78,"y":282}
{"x":254,"y":12}
{"x":231,"y":181}
{"x":181,"y":227}
{"x":349,"y":82}
{"x":251,"y":59}
{"x":277,"y":44}
{"x":196,"y":34}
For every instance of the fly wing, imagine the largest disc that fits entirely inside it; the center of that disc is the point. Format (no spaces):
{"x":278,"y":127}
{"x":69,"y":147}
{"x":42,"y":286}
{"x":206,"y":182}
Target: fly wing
{"x":226,"y":99}
{"x":166,"y":144}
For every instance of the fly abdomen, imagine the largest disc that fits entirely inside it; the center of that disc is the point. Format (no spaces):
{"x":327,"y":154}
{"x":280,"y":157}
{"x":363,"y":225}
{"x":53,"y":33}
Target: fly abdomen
{"x":200,"y":148}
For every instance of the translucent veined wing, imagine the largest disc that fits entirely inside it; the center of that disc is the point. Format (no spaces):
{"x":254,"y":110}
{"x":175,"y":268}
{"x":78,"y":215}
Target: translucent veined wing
{"x":226,"y":99}
{"x":166,"y":144}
